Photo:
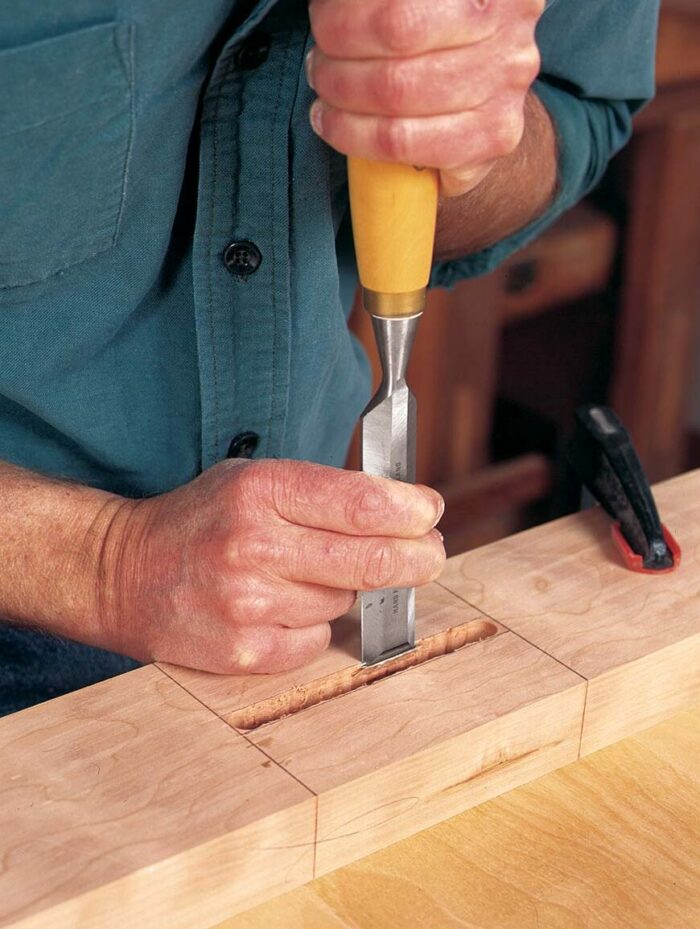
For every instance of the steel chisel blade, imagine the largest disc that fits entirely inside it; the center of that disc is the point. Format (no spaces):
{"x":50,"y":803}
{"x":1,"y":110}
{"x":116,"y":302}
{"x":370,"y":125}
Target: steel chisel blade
{"x":388,"y":450}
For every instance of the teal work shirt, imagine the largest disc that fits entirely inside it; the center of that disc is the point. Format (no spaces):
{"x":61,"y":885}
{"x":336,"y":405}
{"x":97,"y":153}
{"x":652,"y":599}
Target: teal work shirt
{"x":172,"y":263}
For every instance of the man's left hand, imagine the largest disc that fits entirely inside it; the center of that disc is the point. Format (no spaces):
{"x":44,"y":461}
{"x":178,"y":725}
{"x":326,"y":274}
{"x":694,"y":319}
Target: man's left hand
{"x":436,"y":83}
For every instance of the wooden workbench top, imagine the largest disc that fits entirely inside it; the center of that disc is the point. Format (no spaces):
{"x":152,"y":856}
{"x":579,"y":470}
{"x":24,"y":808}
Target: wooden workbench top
{"x":610,"y":842}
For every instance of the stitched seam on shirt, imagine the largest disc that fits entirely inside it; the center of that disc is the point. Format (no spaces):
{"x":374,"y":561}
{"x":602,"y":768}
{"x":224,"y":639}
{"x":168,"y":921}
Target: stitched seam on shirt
{"x":132,"y":122}
{"x":210,"y":289}
{"x":275,"y":116}
{"x":290,"y":212}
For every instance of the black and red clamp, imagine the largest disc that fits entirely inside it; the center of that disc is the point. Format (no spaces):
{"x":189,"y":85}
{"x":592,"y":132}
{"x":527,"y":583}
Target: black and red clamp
{"x":603,"y":456}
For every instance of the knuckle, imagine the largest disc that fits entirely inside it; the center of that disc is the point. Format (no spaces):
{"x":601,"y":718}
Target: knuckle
{"x":532,"y":8}
{"x":393,"y":86}
{"x":254,"y":605}
{"x":393,"y":143}
{"x":506,"y":131}
{"x":233,"y":552}
{"x":334,"y":548}
{"x":427,"y":563}
{"x":276,"y":488}
{"x":324,"y":28}
{"x":427,"y":560}
{"x":284,"y":482}
{"x":402,"y":26}
{"x":253,"y":550}
{"x":452,"y":147}
{"x":253,"y":655}
{"x":334,"y":85}
{"x":364,"y":504}
{"x":436,"y":562}
{"x":252,"y":481}
{"x":526,"y":67}
{"x":379,"y":565}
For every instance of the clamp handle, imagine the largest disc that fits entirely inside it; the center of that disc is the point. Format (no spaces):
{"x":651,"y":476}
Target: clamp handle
{"x":603,"y":455}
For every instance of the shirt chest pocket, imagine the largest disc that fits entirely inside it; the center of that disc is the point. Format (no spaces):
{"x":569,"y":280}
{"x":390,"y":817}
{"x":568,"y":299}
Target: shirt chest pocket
{"x":65,"y":134}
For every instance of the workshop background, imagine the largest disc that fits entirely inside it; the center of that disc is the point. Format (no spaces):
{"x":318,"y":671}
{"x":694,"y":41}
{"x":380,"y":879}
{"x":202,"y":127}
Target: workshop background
{"x":603,"y":308}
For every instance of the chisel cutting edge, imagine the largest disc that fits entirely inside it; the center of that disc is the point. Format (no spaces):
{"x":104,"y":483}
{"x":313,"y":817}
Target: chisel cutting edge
{"x":393,"y":215}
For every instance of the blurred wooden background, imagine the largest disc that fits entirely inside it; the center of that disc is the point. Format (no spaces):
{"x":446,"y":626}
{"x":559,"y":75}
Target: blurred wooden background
{"x":602,"y":308}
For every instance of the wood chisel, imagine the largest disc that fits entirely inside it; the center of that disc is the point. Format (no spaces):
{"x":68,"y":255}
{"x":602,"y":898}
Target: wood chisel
{"x":394,"y":209}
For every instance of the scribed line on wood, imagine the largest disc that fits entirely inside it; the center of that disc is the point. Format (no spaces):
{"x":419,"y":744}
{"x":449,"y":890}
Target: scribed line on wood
{"x":169,"y":815}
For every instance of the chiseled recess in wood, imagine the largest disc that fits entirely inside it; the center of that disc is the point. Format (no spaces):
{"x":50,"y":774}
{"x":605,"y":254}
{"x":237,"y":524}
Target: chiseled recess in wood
{"x":607,"y":843}
{"x":349,"y":679}
{"x":634,"y":637}
{"x":122,"y":799}
{"x":436,"y":610}
{"x":389,"y":760}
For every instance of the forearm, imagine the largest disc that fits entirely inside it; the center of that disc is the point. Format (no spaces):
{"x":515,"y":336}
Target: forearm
{"x":517,"y":191}
{"x":53,"y":536}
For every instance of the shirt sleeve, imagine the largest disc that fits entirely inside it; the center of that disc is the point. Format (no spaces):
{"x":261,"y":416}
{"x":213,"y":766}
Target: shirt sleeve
{"x":597,"y":71}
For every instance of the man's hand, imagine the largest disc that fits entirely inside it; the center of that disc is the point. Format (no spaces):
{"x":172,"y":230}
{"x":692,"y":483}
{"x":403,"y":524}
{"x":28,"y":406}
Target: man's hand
{"x":242,"y":569}
{"x":438,"y":83}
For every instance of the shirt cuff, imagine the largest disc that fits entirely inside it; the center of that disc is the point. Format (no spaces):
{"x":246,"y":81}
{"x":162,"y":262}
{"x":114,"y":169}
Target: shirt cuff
{"x":589,"y":132}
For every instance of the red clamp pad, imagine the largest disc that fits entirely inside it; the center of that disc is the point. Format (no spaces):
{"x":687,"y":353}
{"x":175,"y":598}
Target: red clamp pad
{"x":634,"y":562}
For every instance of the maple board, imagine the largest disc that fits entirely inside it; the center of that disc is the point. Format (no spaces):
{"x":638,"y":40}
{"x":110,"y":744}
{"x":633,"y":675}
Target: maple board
{"x":128,"y":802}
{"x":635,"y":638}
{"x":159,"y":795}
{"x":606,"y":843}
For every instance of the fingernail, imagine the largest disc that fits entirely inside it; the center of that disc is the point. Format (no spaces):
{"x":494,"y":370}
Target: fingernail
{"x":440,"y":511}
{"x":316,"y":117}
{"x":307,"y":67}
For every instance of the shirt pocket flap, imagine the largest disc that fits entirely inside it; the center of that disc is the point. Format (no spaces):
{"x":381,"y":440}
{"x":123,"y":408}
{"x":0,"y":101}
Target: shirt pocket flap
{"x":65,"y":133}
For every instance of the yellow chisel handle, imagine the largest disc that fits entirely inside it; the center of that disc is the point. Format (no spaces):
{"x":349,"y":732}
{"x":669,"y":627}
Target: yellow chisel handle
{"x":394,"y":208}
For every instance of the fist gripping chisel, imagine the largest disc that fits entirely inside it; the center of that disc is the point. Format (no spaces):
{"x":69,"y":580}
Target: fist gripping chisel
{"x":394,"y":210}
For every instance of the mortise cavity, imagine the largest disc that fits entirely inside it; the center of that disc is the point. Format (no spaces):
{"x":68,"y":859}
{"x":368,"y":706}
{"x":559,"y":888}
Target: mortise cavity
{"x":349,"y":679}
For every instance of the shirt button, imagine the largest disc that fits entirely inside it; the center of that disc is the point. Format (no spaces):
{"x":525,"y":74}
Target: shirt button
{"x":242,"y":258}
{"x":243,"y":445}
{"x":253,"y":52}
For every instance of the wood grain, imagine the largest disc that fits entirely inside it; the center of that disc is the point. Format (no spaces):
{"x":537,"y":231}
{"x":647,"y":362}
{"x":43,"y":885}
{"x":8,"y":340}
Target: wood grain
{"x":563,"y":585}
{"x":436,"y":610}
{"x":134,"y":800}
{"x":416,"y":747}
{"x":634,"y":637}
{"x":422,"y":745}
{"x":641,"y":693}
{"x":611,"y":842}
{"x":353,"y":678}
{"x":129,"y":802}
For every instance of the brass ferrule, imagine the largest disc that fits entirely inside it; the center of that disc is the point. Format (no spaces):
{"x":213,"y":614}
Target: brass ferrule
{"x":386,"y":306}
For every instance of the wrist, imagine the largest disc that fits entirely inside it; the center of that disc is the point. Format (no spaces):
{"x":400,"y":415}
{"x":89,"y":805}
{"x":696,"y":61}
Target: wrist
{"x":52,"y":538}
{"x":122,"y":533}
{"x":516,"y":190}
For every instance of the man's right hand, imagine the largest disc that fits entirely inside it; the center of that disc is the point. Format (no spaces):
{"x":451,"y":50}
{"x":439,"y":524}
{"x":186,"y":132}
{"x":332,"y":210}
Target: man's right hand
{"x":242,"y":569}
